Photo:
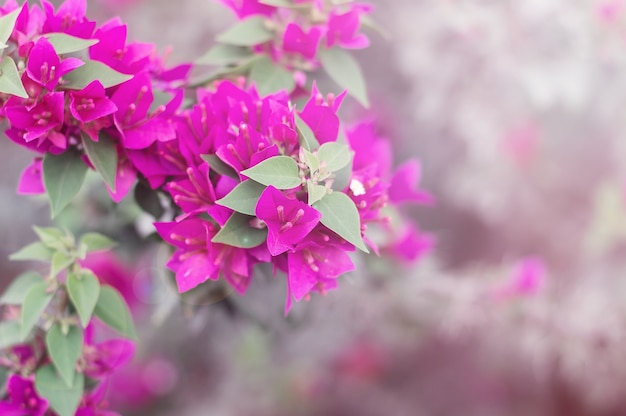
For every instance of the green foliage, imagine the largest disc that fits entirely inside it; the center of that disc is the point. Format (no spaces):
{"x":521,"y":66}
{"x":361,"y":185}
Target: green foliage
{"x":96,"y":242}
{"x":216,"y":164}
{"x":340,"y":215}
{"x":64,"y":349}
{"x":7,"y":24}
{"x":306,"y":137}
{"x":282,"y":172}
{"x":91,"y":71}
{"x":315,"y":192}
{"x":84,"y":291}
{"x":33,"y":251}
{"x":237,"y":232}
{"x":148,"y":199}
{"x":10,"y":81}
{"x":10,"y":334}
{"x":336,"y":156}
{"x":345,"y":71}
{"x":244,"y":197}
{"x":63,"y":176}
{"x":342,"y":177}
{"x":63,"y":399}
{"x":248,"y":32}
{"x":103,"y":156}
{"x":270,"y":78}
{"x":17,"y":290}
{"x":64,"y":43}
{"x":35,"y":302}
{"x":223,"y":55}
{"x":111,"y":308}
{"x":60,"y":261}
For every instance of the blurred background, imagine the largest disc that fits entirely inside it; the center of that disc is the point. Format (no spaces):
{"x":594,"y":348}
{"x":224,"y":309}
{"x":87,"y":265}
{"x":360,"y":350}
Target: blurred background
{"x":516,"y":111}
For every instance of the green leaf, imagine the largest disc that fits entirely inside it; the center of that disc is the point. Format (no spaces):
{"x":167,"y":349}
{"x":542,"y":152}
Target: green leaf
{"x":341,"y":216}
{"x":60,"y":261}
{"x":10,"y":81}
{"x":216,"y":164}
{"x":148,"y":199}
{"x":103,"y":156}
{"x":342,"y":177}
{"x":306,"y":137}
{"x":237,"y":232}
{"x":315,"y":192}
{"x":84,"y":291}
{"x":7,"y":24}
{"x":63,"y":176}
{"x":345,"y":71}
{"x":112,"y":309}
{"x":336,"y":156}
{"x":9,"y":334}
{"x":82,"y":76}
{"x":33,"y":251}
{"x":224,"y":55}
{"x":310,"y":160}
{"x":270,"y":78}
{"x":35,"y":302}
{"x":282,"y":172}
{"x":63,"y":399}
{"x":17,"y":290}
{"x":64,"y":43}
{"x":51,"y":237}
{"x":277,"y":3}
{"x":244,"y":197}
{"x":248,"y":32}
{"x":64,"y":350}
{"x":97,"y":242}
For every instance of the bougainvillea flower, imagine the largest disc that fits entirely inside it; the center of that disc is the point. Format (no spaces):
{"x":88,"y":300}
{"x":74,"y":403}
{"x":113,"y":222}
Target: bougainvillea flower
{"x":103,"y":358}
{"x":527,"y":278}
{"x":194,"y":194}
{"x":125,"y":176}
{"x":191,"y":261}
{"x":234,"y":263}
{"x":91,"y":103}
{"x":94,"y":403}
{"x":343,"y":28}
{"x":22,"y":398}
{"x":369,"y":149}
{"x":288,"y":220}
{"x":41,"y":121}
{"x":404,"y":183}
{"x":410,"y":246}
{"x":297,"y":40}
{"x":44,"y":65}
{"x":245,"y":8}
{"x":31,"y":181}
{"x":321,"y":116}
{"x":70,"y":19}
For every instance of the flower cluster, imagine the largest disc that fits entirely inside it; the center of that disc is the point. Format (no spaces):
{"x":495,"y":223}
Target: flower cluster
{"x":258,"y":181}
{"x":77,"y":86}
{"x":297,"y":29}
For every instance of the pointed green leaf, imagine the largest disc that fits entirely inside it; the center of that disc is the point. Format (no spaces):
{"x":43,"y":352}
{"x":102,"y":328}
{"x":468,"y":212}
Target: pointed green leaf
{"x":103,"y":156}
{"x":51,"y":237}
{"x":216,"y":164}
{"x":270,"y":78}
{"x":64,"y":350}
{"x":237,"y":232}
{"x":10,"y":81}
{"x":84,"y":291}
{"x":33,"y":251}
{"x":82,"y":76}
{"x":97,"y":242}
{"x":224,"y":55}
{"x":64,"y":43}
{"x":306,"y":137}
{"x":9,"y":334}
{"x":112,"y":309}
{"x":341,"y":216}
{"x":63,"y":176}
{"x":17,"y":290}
{"x":60,"y":261}
{"x":345,"y":71}
{"x":315,"y":192}
{"x":248,"y":32}
{"x":336,"y":156}
{"x":35,"y":302}
{"x":7,"y":24}
{"x":277,"y":3}
{"x":310,"y":160}
{"x":282,"y":172}
{"x":64,"y":400}
{"x":244,"y":197}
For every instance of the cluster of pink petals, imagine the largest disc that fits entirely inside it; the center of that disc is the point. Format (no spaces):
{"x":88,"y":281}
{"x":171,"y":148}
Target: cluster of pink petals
{"x":241,"y":129}
{"x":327,"y":25}
{"x":55,"y":118}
